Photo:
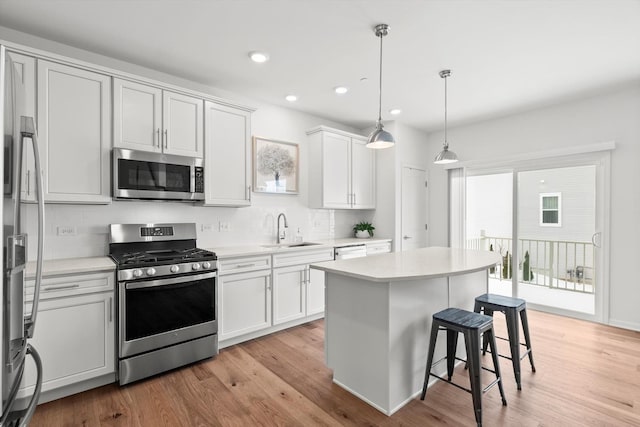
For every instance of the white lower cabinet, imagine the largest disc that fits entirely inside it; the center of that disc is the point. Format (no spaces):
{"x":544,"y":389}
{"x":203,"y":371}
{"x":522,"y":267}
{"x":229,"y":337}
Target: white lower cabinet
{"x":74,"y":334}
{"x":298,"y":291}
{"x":261,"y":294}
{"x":289,"y":299}
{"x":315,"y":291}
{"x":245,"y":302}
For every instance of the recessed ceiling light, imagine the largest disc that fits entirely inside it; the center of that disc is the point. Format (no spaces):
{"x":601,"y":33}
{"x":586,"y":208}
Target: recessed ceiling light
{"x":259,"y":57}
{"x":395,"y":111}
{"x":291,"y":98}
{"x":340,"y":90}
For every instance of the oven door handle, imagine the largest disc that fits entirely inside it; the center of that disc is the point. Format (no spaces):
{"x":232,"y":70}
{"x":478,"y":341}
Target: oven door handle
{"x":170,"y":281}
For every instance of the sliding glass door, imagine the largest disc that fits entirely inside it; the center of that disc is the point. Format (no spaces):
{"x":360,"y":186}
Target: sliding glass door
{"x":545,"y":219}
{"x":557,"y":237}
{"x":489,"y":222}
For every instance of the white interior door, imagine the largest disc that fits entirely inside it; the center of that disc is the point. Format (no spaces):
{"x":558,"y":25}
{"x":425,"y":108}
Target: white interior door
{"x":414,"y":208}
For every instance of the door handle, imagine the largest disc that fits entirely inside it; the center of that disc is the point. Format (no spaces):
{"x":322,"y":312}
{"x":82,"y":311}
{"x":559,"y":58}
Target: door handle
{"x":595,"y":239}
{"x":407,"y":237}
{"x":158,"y":136}
{"x":166,"y":139}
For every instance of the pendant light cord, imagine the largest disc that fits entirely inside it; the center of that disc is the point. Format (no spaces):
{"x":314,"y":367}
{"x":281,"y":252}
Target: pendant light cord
{"x":380,"y":87}
{"x":446,"y":144}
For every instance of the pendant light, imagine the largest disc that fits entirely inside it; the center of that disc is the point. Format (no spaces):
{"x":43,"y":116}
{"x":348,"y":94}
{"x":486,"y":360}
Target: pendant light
{"x":445,"y":156}
{"x":380,"y":138}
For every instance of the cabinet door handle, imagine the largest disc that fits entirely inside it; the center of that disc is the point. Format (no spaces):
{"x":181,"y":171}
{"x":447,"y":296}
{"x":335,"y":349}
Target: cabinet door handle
{"x":59,"y":287}
{"x":354,"y":198}
{"x":166,"y":139}
{"x":158,"y":137}
{"x":110,"y":309}
{"x":245,"y":265}
{"x":28,"y":182}
{"x":248,"y":193}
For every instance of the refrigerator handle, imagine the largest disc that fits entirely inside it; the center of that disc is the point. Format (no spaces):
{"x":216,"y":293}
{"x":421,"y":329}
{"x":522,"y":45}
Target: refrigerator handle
{"x":24,"y":421}
{"x":28,"y":130}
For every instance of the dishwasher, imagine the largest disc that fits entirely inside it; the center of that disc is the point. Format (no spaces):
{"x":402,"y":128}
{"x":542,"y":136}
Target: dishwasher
{"x":353,"y":251}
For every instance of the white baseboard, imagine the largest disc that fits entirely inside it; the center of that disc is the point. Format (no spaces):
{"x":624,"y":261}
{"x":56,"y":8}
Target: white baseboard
{"x":634,"y":326}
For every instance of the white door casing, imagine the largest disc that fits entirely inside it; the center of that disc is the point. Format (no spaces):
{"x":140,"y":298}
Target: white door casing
{"x":413,"y":208}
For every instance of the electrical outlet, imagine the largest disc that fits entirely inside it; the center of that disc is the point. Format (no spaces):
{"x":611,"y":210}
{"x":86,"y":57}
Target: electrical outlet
{"x":66,"y":230}
{"x":207,"y":227}
{"x":223,"y":226}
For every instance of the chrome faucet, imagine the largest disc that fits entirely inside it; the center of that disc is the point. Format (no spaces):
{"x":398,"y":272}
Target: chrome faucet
{"x":282,"y":235}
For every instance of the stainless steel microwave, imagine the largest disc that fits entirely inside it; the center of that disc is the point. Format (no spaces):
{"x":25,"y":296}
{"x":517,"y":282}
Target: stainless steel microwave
{"x":156,"y":176}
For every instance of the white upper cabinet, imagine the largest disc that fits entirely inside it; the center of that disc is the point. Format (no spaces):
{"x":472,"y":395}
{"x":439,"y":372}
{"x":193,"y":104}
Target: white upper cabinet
{"x":151,"y":119}
{"x":137,"y":116}
{"x":342,"y":170}
{"x":336,"y":171}
{"x":363,"y":164}
{"x":227,"y":155}
{"x":26,"y":71}
{"x":74,"y":130}
{"x":182,"y":119}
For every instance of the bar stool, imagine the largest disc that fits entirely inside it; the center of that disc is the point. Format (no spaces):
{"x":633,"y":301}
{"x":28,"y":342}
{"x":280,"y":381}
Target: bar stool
{"x":472,"y":326}
{"x":487,"y":304}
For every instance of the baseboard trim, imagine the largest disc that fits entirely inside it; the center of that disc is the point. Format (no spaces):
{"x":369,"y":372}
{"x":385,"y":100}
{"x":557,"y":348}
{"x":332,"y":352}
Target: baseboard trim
{"x":634,"y":326}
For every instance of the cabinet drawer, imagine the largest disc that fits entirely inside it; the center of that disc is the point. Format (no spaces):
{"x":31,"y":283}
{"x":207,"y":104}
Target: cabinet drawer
{"x":63,"y":286}
{"x":298,"y":257}
{"x":244,"y":264}
{"x":378,"y":248}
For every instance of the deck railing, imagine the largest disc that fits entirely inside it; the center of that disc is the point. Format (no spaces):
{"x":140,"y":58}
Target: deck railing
{"x":551,"y":263}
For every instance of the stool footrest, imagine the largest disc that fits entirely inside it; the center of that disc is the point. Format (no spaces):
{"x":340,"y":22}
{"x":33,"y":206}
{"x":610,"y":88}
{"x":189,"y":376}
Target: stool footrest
{"x":450,"y":382}
{"x":490,"y":386}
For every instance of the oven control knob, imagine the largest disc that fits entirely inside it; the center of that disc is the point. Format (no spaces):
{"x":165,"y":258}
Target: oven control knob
{"x":195,"y":266}
{"x":151,"y":271}
{"x":206,"y":265}
{"x":175,"y":268}
{"x":137,"y":272}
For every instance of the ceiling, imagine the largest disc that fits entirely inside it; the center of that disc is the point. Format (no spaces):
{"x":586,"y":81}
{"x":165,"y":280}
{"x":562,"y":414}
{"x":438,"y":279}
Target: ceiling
{"x":505,"y":56}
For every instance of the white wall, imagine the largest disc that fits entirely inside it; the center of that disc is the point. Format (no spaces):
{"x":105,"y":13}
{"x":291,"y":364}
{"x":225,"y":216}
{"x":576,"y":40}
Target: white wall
{"x":255,"y":224}
{"x":614,"y":115}
{"x":410,"y":149}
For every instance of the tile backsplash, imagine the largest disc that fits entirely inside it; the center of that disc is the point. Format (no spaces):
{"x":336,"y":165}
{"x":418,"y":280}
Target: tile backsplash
{"x":82,"y":230}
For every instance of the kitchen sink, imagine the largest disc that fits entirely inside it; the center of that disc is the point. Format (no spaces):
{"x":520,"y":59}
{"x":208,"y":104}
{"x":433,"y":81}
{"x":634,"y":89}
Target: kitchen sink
{"x":290,"y":245}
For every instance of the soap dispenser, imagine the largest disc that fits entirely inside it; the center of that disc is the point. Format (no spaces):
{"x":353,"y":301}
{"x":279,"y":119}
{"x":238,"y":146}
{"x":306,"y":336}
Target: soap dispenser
{"x":298,"y":236}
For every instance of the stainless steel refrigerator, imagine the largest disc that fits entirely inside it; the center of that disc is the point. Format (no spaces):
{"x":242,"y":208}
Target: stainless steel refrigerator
{"x":19,"y":313}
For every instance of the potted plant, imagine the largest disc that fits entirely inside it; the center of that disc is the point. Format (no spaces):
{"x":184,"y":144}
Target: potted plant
{"x":363,"y":230}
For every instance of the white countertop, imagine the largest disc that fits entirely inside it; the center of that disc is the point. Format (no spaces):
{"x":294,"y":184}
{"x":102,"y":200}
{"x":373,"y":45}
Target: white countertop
{"x":424,"y":263}
{"x":64,"y":266}
{"x":53,"y":267}
{"x":348,"y":241}
{"x":268,"y":249}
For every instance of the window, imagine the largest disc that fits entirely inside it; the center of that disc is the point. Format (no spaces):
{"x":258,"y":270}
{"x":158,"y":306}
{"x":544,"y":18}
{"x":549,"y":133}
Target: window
{"x":550,"y":209}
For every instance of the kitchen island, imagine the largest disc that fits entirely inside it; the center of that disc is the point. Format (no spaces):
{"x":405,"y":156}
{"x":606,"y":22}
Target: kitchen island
{"x":378,"y":317}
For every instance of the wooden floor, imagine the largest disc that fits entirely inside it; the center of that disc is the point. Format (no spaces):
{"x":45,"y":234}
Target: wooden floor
{"x":587,"y":375}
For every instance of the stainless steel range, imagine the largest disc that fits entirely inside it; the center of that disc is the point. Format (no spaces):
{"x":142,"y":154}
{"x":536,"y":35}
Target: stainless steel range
{"x":167,"y":298}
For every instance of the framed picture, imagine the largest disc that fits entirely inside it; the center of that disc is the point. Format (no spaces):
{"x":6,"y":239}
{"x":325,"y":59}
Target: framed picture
{"x":275,"y":166}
